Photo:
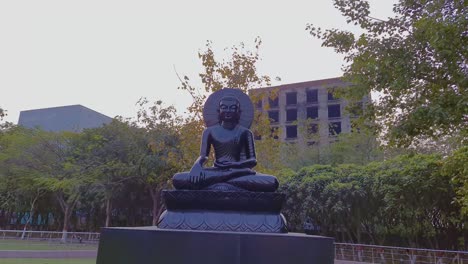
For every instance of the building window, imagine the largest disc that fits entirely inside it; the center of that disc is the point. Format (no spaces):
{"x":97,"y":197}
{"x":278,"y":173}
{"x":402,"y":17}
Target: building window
{"x":334,"y":111}
{"x":291,"y":115}
{"x":291,"y":131}
{"x":291,"y":98}
{"x":312,"y":96}
{"x":334,"y":128}
{"x":274,"y":132}
{"x":312,"y":112}
{"x":355,"y":128}
{"x":331,"y":97}
{"x":259,"y":104}
{"x":355,"y":109}
{"x":312,"y":128}
{"x":273,"y":102}
{"x":257,"y":135}
{"x":274,"y":116}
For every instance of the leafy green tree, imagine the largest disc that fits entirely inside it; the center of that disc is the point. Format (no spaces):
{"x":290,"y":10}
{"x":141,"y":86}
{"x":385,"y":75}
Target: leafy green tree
{"x":51,"y":158}
{"x":159,"y":152}
{"x":456,"y":167}
{"x":19,"y":190}
{"x":419,"y":198}
{"x":416,"y":61}
{"x":357,"y":147}
{"x":108,"y":154}
{"x":404,"y":201}
{"x":336,"y":198}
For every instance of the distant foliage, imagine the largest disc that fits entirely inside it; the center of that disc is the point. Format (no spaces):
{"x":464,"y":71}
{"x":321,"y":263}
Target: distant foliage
{"x":404,"y":201}
{"x":456,"y":167}
{"x":416,"y":61}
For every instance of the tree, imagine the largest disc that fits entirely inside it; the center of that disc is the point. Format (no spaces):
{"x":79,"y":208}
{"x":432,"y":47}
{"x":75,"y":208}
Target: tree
{"x":336,"y":198}
{"x":239,"y":71}
{"x":456,"y":167}
{"x":52,"y":158}
{"x":2,"y":114}
{"x":419,"y":199}
{"x":357,"y":147}
{"x":107,"y":153}
{"x":20,"y":190}
{"x":159,"y":152}
{"x":406,"y":200}
{"x":417,"y":62}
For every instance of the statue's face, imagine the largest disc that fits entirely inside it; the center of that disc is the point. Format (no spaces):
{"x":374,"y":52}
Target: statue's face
{"x":229,"y":110}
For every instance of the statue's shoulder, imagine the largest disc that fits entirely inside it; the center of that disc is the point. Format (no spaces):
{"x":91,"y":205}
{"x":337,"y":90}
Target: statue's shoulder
{"x":211,"y":129}
{"x":243,"y":129}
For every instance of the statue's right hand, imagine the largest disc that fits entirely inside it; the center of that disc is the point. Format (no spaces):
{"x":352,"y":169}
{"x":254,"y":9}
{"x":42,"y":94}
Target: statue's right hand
{"x":196,"y":175}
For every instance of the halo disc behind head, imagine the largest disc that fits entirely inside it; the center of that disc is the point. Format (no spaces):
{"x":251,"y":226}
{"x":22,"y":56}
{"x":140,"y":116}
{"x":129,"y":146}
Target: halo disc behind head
{"x":210,"y":109}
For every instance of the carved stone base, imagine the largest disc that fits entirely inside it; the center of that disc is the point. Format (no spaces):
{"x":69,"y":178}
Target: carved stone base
{"x":223,"y":221}
{"x":223,"y":211}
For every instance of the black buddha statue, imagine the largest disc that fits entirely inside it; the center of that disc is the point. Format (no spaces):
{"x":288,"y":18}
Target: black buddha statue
{"x":234,"y":151}
{"x":230,"y":196}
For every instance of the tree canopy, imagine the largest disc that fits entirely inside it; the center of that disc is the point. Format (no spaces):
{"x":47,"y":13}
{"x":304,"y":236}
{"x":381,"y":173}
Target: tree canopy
{"x":416,"y":61}
{"x":403,"y":201}
{"x":238,"y":71}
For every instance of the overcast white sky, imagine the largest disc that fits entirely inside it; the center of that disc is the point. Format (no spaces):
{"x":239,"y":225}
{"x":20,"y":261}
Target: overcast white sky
{"x":106,"y":54}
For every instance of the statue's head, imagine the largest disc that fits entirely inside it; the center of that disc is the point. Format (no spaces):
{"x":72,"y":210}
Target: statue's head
{"x":229,"y":109}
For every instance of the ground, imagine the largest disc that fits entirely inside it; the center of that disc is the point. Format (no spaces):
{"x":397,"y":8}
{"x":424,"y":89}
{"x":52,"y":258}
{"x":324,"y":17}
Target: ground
{"x":14,"y":251}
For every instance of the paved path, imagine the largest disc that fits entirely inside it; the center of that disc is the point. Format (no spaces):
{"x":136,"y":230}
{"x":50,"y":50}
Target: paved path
{"x":65,"y":254}
{"x":74,"y":254}
{"x":349,"y":262}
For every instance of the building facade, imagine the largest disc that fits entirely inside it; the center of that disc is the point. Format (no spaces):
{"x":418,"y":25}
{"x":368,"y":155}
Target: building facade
{"x":72,"y":118}
{"x":306,"y":112}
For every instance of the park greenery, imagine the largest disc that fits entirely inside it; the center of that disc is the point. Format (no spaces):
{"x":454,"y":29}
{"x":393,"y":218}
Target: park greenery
{"x":416,"y":61}
{"x":384,"y":183}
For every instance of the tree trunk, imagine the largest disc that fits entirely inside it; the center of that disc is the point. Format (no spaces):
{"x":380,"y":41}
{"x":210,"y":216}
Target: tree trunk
{"x":66,"y":220}
{"x":31,"y":213}
{"x":108,"y":212}
{"x":67,"y":209}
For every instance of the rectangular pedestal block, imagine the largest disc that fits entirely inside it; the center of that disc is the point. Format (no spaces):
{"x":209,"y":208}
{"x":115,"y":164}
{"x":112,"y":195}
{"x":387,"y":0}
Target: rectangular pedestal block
{"x":144,"y":245}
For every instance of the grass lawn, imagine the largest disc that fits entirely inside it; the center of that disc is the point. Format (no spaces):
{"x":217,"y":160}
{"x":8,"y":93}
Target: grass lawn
{"x":13,"y":244}
{"x":47,"y":261}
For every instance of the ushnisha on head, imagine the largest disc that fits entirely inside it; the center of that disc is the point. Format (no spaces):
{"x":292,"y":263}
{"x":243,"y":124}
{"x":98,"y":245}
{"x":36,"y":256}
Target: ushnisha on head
{"x":229,"y":109}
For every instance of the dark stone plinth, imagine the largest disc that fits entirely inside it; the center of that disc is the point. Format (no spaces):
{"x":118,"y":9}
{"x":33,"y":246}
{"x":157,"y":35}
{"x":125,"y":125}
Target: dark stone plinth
{"x":223,"y":200}
{"x":145,"y":245}
{"x":234,"y":211}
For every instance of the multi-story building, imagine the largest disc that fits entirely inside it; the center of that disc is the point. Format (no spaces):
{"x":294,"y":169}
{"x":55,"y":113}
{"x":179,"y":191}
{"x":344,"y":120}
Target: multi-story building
{"x":73,"y":118}
{"x":305,"y":112}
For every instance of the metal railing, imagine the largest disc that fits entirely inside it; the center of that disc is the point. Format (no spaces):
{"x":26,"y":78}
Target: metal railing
{"x":397,"y":255}
{"x":72,"y":237}
{"x":343,"y":251}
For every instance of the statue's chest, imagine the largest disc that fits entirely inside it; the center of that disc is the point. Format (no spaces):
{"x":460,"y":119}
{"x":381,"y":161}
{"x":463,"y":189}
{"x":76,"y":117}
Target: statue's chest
{"x":227,"y":137}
